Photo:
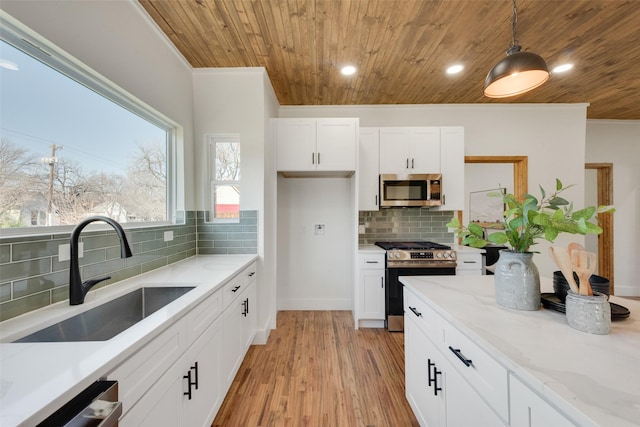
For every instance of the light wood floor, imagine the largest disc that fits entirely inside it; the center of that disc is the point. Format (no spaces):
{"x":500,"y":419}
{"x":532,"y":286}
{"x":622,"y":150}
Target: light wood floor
{"x":316,"y":370}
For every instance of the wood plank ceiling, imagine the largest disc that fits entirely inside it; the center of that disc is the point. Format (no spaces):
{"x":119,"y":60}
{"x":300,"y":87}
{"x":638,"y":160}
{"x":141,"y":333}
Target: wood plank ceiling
{"x":401,"y":48}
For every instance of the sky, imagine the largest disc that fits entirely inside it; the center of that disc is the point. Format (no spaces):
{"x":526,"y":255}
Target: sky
{"x":40,"y":107}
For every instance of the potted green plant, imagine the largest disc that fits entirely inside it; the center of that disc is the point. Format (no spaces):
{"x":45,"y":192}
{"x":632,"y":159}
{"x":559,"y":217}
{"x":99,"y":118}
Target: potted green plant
{"x":525,"y":222}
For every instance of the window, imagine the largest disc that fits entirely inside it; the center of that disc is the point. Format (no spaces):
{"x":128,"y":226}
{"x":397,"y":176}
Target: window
{"x":224,"y":175}
{"x":74,"y":145}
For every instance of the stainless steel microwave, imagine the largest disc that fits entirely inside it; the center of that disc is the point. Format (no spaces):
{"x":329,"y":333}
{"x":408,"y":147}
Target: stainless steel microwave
{"x":413,"y":190}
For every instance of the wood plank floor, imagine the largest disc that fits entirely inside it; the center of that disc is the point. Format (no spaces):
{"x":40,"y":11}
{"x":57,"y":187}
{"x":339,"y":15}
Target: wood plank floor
{"x":317,"y":370}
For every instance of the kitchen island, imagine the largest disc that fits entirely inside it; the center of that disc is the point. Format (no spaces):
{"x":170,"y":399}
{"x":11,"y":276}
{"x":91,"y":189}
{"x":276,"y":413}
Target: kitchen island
{"x":38,"y":378}
{"x":591,"y":380}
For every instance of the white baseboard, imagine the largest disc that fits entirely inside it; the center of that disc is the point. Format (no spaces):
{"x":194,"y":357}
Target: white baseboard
{"x":371,"y":323}
{"x":314,"y":304}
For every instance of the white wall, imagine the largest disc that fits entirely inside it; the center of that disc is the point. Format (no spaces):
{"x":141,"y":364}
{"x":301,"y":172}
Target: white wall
{"x":551,"y":135}
{"x":618,"y":142}
{"x":315,"y":272}
{"x":118,"y":40}
{"x":241,"y":101}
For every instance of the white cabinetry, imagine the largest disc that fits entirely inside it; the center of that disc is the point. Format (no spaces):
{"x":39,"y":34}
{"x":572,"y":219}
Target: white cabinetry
{"x":409,"y":150}
{"x":371,"y":288}
{"x":530,"y":410}
{"x":368,"y":175}
{"x":470,"y":262}
{"x":323,"y":145}
{"x":181,"y":376}
{"x":452,"y":168}
{"x":439,"y":392}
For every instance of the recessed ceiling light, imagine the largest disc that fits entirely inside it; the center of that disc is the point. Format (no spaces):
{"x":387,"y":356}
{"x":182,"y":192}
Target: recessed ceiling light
{"x":562,"y":68}
{"x":348,"y":70}
{"x":9,"y":65}
{"x":455,"y":69}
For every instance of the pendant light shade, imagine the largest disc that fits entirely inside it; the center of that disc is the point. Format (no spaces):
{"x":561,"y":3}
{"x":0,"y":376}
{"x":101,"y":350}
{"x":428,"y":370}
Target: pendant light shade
{"x":518,"y":73}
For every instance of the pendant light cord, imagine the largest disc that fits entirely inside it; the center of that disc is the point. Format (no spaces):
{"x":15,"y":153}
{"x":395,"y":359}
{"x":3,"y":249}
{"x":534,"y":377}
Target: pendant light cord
{"x":514,"y":20}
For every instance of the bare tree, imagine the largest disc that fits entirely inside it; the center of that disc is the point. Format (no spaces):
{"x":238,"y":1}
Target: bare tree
{"x":17,"y":181}
{"x":146,"y":186}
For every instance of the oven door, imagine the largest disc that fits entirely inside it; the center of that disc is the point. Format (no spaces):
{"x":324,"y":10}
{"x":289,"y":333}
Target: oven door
{"x":394,"y":304}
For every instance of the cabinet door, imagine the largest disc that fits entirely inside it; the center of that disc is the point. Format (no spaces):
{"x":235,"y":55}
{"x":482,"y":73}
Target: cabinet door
{"x":425,"y":150}
{"x":395,"y":146}
{"x":529,"y":410}
{"x":463,"y":406}
{"x":160,"y":406}
{"x":296,"y":144}
{"x":452,"y":168}
{"x":420,"y":365}
{"x":202,"y":361}
{"x":368,"y":175}
{"x":372,"y":294}
{"x":336,"y":144}
{"x":248,"y":319}
{"x":232,"y":341}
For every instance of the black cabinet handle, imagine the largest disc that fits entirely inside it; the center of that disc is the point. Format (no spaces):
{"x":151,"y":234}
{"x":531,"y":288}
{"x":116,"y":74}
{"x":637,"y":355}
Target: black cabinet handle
{"x":235,"y":289}
{"x":245,"y":307}
{"x":195,"y":369}
{"x":456,"y":351}
{"x":318,"y":158}
{"x":407,"y":163}
{"x":313,"y":158}
{"x":436,"y":389}
{"x":189,"y":383}
{"x":412,"y":163}
{"x":431,"y":379}
{"x":416,"y":312}
{"x":252,"y":273}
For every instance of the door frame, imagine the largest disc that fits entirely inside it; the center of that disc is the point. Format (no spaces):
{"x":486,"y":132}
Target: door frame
{"x":604,"y":190}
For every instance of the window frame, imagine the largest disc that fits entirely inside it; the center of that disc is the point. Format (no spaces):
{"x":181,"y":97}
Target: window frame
{"x":211,"y":140}
{"x":31,"y":43}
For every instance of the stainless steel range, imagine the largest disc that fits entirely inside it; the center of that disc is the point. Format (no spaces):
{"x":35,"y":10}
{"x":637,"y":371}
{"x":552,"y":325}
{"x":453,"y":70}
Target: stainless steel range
{"x":411,"y":259}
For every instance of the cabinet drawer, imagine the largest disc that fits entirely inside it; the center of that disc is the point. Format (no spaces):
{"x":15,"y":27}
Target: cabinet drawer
{"x":232,"y":289}
{"x":484,"y":373}
{"x":139,"y":372}
{"x":250,"y":273}
{"x":371,"y":261}
{"x":424,"y":316}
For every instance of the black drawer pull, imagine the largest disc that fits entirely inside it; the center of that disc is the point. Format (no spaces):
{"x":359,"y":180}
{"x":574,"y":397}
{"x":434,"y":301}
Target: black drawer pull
{"x":416,"y":312}
{"x":234,"y":290}
{"x":436,"y":389}
{"x":456,"y":351}
{"x":429,"y":377}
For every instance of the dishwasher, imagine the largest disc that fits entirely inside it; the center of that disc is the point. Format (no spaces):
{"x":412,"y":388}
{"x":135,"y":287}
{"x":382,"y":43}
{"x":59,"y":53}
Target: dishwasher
{"x":97,"y":405}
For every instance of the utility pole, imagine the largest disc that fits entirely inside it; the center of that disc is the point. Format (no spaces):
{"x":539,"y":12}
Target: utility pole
{"x":51,"y":161}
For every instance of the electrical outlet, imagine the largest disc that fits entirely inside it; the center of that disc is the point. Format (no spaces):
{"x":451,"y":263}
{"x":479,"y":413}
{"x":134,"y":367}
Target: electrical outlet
{"x":168,"y":236}
{"x":362,"y":229}
{"x":318,"y":229}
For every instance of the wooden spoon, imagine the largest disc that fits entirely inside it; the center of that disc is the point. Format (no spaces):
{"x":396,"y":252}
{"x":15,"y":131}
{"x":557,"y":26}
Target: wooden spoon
{"x":573,"y":246}
{"x":584,"y":263}
{"x":563,"y":260}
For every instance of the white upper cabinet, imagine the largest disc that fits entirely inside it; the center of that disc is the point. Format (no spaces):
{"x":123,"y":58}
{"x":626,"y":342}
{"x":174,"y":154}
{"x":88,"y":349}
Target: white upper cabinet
{"x":322,"y":145}
{"x":409,"y":150}
{"x":368,"y":181}
{"x":452,"y":168}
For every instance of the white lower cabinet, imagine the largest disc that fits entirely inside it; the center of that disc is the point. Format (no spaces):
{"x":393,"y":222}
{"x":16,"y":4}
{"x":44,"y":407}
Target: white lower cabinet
{"x":438,"y":392}
{"x":530,"y":410}
{"x":370,"y":292}
{"x":180,"y":378}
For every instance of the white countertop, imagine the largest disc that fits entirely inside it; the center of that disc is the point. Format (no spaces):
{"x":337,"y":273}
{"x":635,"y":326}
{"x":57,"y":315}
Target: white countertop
{"x":367,"y":249}
{"x":594,"y":379}
{"x":37,"y":378}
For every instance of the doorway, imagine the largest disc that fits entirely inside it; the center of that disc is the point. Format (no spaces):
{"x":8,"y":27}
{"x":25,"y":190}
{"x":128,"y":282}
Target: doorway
{"x":604,"y":190}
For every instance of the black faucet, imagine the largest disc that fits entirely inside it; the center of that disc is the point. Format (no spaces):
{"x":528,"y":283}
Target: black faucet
{"x":78,"y":289}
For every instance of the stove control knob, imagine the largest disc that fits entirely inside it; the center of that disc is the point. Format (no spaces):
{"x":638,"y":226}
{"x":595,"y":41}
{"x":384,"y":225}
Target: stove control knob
{"x":447,"y":254}
{"x":439,"y":255}
{"x":453,"y":255}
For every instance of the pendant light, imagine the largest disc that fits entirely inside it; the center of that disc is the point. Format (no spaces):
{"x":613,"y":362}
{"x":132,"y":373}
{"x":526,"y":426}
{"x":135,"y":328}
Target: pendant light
{"x":519,"y":72}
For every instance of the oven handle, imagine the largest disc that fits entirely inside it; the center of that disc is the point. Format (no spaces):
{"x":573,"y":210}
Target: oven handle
{"x":416,"y":312}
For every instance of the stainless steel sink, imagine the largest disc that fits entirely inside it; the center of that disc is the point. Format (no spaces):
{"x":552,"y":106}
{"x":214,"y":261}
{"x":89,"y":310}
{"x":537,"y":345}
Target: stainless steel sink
{"x":109,"y":319}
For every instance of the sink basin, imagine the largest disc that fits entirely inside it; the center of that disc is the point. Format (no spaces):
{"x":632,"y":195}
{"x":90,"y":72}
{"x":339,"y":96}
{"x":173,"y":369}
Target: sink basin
{"x":109,"y":319}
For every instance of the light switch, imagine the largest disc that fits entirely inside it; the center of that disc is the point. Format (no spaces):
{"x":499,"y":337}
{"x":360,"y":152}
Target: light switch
{"x":318,"y":229}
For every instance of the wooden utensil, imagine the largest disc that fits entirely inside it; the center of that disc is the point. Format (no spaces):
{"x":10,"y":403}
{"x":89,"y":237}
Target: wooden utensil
{"x":563,"y":260}
{"x":573,"y":246}
{"x":584,"y":264}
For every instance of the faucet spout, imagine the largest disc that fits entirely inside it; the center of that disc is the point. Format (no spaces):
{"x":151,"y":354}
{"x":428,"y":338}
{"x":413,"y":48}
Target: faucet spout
{"x":77,"y":289}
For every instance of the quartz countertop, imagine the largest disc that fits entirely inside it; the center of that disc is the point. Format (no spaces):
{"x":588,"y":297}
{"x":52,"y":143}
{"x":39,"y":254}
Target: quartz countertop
{"x":593,"y":379}
{"x":38,"y":378}
{"x":363,"y":249}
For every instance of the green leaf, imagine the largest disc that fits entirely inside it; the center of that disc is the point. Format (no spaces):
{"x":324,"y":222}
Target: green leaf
{"x":585,"y":213}
{"x":476,"y":230}
{"x":454,"y":223}
{"x":558,"y":185}
{"x":474,"y":242}
{"x":582,"y":225}
{"x":593,"y":228}
{"x":550,"y":234}
{"x":499,"y":238}
{"x":544,"y":193}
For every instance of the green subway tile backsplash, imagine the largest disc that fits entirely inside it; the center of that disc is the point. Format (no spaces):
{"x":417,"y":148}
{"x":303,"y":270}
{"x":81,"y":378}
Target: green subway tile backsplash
{"x":404,"y":224}
{"x":31,"y":276}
